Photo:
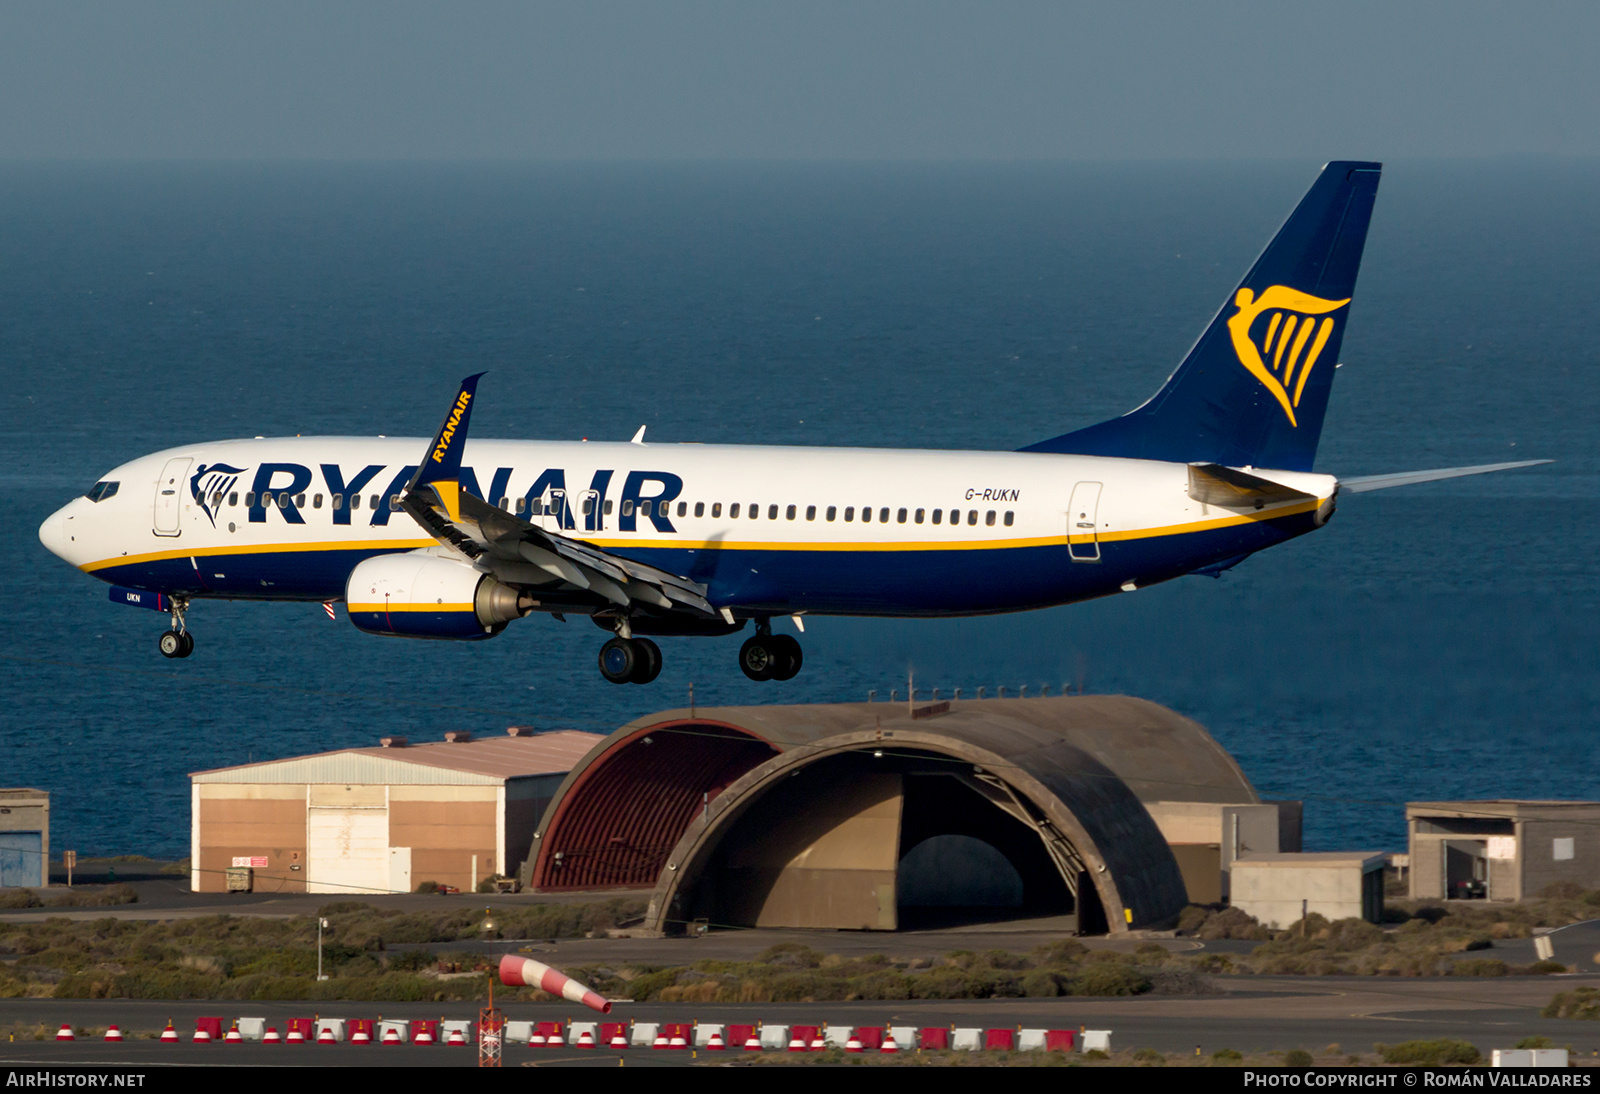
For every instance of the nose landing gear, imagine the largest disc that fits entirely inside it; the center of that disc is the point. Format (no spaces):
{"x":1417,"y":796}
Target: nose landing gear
{"x":177,"y":642}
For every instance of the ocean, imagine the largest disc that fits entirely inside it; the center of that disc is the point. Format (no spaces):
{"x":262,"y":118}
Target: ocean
{"x":1433,"y":642}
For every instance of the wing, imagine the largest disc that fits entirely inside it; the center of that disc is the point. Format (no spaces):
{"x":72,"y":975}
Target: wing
{"x":566,"y":572}
{"x":1363,"y":483}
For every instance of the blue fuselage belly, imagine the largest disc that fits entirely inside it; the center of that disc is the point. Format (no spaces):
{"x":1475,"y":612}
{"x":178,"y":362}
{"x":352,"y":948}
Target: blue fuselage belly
{"x":923,"y":582}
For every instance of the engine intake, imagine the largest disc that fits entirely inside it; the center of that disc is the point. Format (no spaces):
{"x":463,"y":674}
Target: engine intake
{"x":425,"y":596}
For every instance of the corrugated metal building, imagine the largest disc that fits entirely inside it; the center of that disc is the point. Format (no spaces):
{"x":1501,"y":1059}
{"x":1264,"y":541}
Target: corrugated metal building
{"x":378,"y":820}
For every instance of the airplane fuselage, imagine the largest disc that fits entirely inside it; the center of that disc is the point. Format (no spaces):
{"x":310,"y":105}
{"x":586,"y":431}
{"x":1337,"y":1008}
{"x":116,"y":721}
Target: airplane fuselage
{"x":767,"y":530}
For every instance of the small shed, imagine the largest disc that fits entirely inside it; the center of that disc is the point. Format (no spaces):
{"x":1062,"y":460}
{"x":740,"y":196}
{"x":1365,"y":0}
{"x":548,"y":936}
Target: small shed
{"x":1501,"y":850}
{"x":378,"y":820}
{"x":1280,"y":890}
{"x":24,"y":838}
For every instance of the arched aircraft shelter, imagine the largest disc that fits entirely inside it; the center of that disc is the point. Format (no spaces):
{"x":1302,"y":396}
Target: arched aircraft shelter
{"x":866,"y":815}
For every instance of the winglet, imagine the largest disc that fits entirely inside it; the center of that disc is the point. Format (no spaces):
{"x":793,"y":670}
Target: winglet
{"x":441,"y":467}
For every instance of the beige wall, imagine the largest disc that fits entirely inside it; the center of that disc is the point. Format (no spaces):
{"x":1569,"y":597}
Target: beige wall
{"x":252,"y":820}
{"x":445,"y":826}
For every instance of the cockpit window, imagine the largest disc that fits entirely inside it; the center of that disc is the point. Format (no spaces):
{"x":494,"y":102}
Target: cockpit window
{"x":100,"y":491}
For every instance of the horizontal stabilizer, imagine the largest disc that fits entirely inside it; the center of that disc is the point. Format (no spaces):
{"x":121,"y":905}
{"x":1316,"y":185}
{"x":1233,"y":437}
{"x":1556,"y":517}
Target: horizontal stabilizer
{"x":1230,"y":488}
{"x":1363,"y":483}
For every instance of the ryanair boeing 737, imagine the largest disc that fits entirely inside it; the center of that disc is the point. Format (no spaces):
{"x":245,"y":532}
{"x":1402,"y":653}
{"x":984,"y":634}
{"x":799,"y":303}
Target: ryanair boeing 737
{"x":456,"y":538}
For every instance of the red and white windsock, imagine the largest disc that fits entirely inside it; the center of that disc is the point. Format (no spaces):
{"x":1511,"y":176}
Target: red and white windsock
{"x":520,"y":972}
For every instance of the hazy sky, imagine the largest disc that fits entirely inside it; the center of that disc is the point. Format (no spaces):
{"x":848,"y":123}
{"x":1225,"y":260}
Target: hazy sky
{"x":808,"y":80}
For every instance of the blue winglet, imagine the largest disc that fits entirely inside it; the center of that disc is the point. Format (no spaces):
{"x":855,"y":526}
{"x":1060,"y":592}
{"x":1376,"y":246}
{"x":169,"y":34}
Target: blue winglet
{"x":441,"y":466}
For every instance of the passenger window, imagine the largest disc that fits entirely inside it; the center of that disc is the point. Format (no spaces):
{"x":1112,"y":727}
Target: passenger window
{"x":716,"y":508}
{"x":372,"y":502}
{"x":772,"y":513}
{"x":300,"y":502}
{"x":608,"y":507}
{"x":266,"y":499}
{"x":233,"y":498}
{"x":919,"y":515}
{"x":699,"y":508}
{"x":1010,"y":515}
{"x":394,"y":503}
{"x":883,"y":516}
{"x":505,"y":503}
{"x":337,"y":502}
{"x":683,"y":508}
{"x":522,"y":506}
{"x":989,"y":518}
{"x":938,"y":515}
{"x":849,"y":512}
{"x":644,"y":508}
{"x":832,"y":511}
{"x":250,"y":500}
{"x":733,"y":510}
{"x":755,"y":510}
{"x":900,"y":517}
{"x":588,"y":507}
{"x":972,"y":516}
{"x":316,"y":502}
{"x":866,"y":514}
{"x":627,"y":508}
{"x":536,"y":507}
{"x":355,"y":501}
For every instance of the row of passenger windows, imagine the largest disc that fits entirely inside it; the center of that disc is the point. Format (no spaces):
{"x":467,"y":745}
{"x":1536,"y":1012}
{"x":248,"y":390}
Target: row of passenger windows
{"x":751,"y":512}
{"x":285,"y":500}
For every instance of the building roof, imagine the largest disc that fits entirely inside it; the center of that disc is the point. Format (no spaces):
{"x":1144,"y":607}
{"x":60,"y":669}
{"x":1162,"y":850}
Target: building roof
{"x":1331,"y":859}
{"x":1500,"y":808}
{"x":484,"y":761}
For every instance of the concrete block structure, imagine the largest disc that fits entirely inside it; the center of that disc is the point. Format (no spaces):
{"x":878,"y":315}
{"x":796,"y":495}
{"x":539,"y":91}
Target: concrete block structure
{"x":24,"y":838}
{"x":1280,"y":889}
{"x":1206,"y":837}
{"x":1501,"y":850}
{"x":378,"y":820}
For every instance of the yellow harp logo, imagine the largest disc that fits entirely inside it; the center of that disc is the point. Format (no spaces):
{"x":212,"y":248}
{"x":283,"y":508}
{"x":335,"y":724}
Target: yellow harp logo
{"x":1277,"y":354}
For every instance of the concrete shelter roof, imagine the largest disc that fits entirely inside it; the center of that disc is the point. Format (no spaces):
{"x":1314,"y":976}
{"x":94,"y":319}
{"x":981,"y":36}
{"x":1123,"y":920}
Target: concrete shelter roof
{"x":481,"y":760}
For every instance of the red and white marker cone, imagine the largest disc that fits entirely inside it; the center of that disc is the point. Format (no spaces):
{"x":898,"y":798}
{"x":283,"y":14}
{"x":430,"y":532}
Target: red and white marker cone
{"x":661,"y":1040}
{"x":391,"y":1036}
{"x":714,"y":1042}
{"x":326,"y":1037}
{"x":585,"y":1040}
{"x":819,"y":1042}
{"x":536,"y":1040}
{"x":233,"y":1037}
{"x":457,"y":1037}
{"x":169,"y":1036}
{"x":796,"y":1043}
{"x":65,"y":1032}
{"x":619,"y":1039}
{"x":271,"y":1036}
{"x":296,"y":1037}
{"x":113,"y":1033}
{"x":201,"y":1036}
{"x":518,"y":972}
{"x":853,"y":1044}
{"x":423,"y":1037}
{"x":360,"y":1037}
{"x":555,"y":1040}
{"x":752,"y":1043}
{"x":678,"y":1040}
{"x":888,"y":1042}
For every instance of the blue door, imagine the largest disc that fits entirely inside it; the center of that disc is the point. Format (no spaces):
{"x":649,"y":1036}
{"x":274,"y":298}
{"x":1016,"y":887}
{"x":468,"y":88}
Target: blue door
{"x":21,"y":858}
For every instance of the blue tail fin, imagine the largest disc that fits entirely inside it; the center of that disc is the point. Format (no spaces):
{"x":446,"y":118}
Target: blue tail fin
{"x":1254,"y":389}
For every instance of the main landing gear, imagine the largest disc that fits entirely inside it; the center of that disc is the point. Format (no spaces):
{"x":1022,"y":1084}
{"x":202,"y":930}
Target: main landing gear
{"x":630,"y":660}
{"x":177,"y":642}
{"x":770,"y":656}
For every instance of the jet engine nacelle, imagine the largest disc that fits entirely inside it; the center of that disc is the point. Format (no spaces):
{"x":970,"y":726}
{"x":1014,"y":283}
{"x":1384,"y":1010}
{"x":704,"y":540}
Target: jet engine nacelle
{"x":425,"y":596}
